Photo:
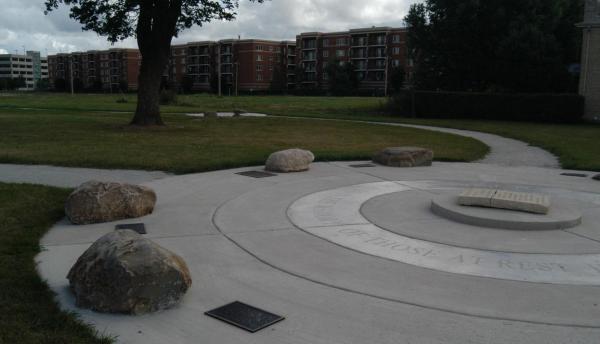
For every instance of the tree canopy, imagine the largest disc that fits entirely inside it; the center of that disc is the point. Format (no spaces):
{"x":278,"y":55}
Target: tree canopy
{"x":153,"y":23}
{"x":120,"y":19}
{"x":500,"y":45}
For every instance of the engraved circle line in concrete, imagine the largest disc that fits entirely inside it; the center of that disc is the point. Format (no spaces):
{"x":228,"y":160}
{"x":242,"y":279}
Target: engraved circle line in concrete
{"x":334,"y":215}
{"x":349,"y":290}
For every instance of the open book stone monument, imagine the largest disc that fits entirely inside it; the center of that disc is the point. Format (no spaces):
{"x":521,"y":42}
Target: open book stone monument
{"x":503,"y":199}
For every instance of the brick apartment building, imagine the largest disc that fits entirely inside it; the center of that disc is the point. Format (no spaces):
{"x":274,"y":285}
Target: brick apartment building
{"x":31,"y":67}
{"x":111,"y":70}
{"x":249,"y":65}
{"x":245,"y":65}
{"x":373,"y":52}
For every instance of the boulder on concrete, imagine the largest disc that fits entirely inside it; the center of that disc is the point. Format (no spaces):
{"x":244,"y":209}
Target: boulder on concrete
{"x":97,"y":202}
{"x":404,"y":157}
{"x":125,"y":273}
{"x":596,"y":177}
{"x":291,"y":160}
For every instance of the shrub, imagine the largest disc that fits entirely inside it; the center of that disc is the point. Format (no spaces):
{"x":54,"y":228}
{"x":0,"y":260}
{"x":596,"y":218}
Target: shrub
{"x":560,"y":108}
{"x":168,"y":97}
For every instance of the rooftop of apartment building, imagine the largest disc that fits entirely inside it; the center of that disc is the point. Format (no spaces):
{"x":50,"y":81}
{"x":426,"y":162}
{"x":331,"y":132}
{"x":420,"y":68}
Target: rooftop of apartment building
{"x":373,"y":29}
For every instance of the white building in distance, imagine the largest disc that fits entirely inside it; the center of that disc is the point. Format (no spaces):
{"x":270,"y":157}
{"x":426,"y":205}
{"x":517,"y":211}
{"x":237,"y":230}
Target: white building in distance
{"x":31,"y":67}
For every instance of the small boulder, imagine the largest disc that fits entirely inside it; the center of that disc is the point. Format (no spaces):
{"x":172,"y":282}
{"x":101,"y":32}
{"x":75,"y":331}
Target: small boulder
{"x":97,"y":202}
{"x":404,"y":157}
{"x":125,"y":273}
{"x":597,"y":177}
{"x":291,"y":160}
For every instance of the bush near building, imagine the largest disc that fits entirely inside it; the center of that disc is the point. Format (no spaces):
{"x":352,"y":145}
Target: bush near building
{"x":557,"y":108}
{"x":11,"y":84}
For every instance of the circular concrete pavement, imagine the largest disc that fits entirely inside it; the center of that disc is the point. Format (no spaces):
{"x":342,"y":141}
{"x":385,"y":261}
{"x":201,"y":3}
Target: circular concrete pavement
{"x":355,"y":255}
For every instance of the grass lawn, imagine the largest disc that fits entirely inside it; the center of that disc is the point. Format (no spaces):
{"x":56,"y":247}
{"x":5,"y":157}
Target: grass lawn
{"x":575,"y":145}
{"x":28,"y":313}
{"x":272,"y":105}
{"x":67,"y":138}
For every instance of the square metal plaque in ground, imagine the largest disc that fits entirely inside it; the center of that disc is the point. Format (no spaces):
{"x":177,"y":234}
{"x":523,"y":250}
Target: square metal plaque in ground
{"x":581,"y":175}
{"x":245,"y":317}
{"x":256,"y":174}
{"x":138,"y":227}
{"x":363,"y":165}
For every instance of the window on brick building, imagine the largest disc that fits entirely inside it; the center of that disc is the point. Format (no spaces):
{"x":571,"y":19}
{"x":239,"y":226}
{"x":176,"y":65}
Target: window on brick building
{"x":340,"y":53}
{"x":259,"y":58}
{"x":396,"y":63}
{"x":259,"y":48}
{"x":325,"y":53}
{"x":340,"y":42}
{"x":259,"y":68}
{"x":259,"y":77}
{"x":396,"y":39}
{"x":396,"y":51}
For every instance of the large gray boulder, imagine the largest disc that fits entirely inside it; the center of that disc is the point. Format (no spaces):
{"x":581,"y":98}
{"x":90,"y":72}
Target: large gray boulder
{"x":123,"y":272}
{"x":97,"y":202}
{"x":404,"y":157}
{"x":291,"y":160}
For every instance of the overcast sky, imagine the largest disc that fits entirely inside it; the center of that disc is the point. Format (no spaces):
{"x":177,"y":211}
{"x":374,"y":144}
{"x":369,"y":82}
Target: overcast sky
{"x":23,"y":24}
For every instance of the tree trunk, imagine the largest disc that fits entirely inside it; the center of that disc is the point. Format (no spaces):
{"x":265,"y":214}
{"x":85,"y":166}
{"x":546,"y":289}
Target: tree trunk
{"x":148,"y":103}
{"x":157,"y":24}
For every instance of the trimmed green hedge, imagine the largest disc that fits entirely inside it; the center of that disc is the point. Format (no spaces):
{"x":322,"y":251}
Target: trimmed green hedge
{"x":561,"y":108}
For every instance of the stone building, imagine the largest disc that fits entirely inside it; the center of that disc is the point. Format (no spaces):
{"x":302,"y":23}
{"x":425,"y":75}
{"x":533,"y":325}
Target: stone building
{"x":590,"y":64}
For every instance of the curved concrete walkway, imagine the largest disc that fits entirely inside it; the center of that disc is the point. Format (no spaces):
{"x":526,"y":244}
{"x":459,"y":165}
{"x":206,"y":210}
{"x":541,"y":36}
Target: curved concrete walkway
{"x":244,"y":239}
{"x":70,"y":177}
{"x":242,"y":242}
{"x":503,"y":151}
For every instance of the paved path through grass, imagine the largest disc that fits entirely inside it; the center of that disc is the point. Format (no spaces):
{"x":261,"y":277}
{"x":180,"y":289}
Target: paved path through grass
{"x":70,"y":176}
{"x":503,"y":152}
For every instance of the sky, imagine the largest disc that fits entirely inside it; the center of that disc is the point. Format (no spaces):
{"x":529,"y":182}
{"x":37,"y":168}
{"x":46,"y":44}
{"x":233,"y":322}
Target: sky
{"x":23,"y":25}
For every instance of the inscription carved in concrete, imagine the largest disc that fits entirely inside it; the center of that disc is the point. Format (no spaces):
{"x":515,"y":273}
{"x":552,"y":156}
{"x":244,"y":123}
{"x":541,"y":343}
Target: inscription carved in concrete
{"x":334,"y":215}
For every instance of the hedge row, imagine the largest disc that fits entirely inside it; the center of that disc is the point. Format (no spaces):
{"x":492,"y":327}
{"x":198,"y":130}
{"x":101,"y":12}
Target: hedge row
{"x":560,"y":108}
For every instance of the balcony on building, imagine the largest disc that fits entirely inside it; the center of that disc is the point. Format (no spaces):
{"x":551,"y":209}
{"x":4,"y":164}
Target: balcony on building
{"x":227,"y":50}
{"x":359,"y":41}
{"x":228,"y":59}
{"x":377,"y":65}
{"x":309,"y":43}
{"x":309,"y":56}
{"x":377,"y":40}
{"x":377,"y":53}
{"x":358,"y":53}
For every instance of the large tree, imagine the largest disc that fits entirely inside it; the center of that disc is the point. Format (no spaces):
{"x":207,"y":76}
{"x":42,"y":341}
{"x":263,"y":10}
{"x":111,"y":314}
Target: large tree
{"x":499,"y":45}
{"x":153,"y":23}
